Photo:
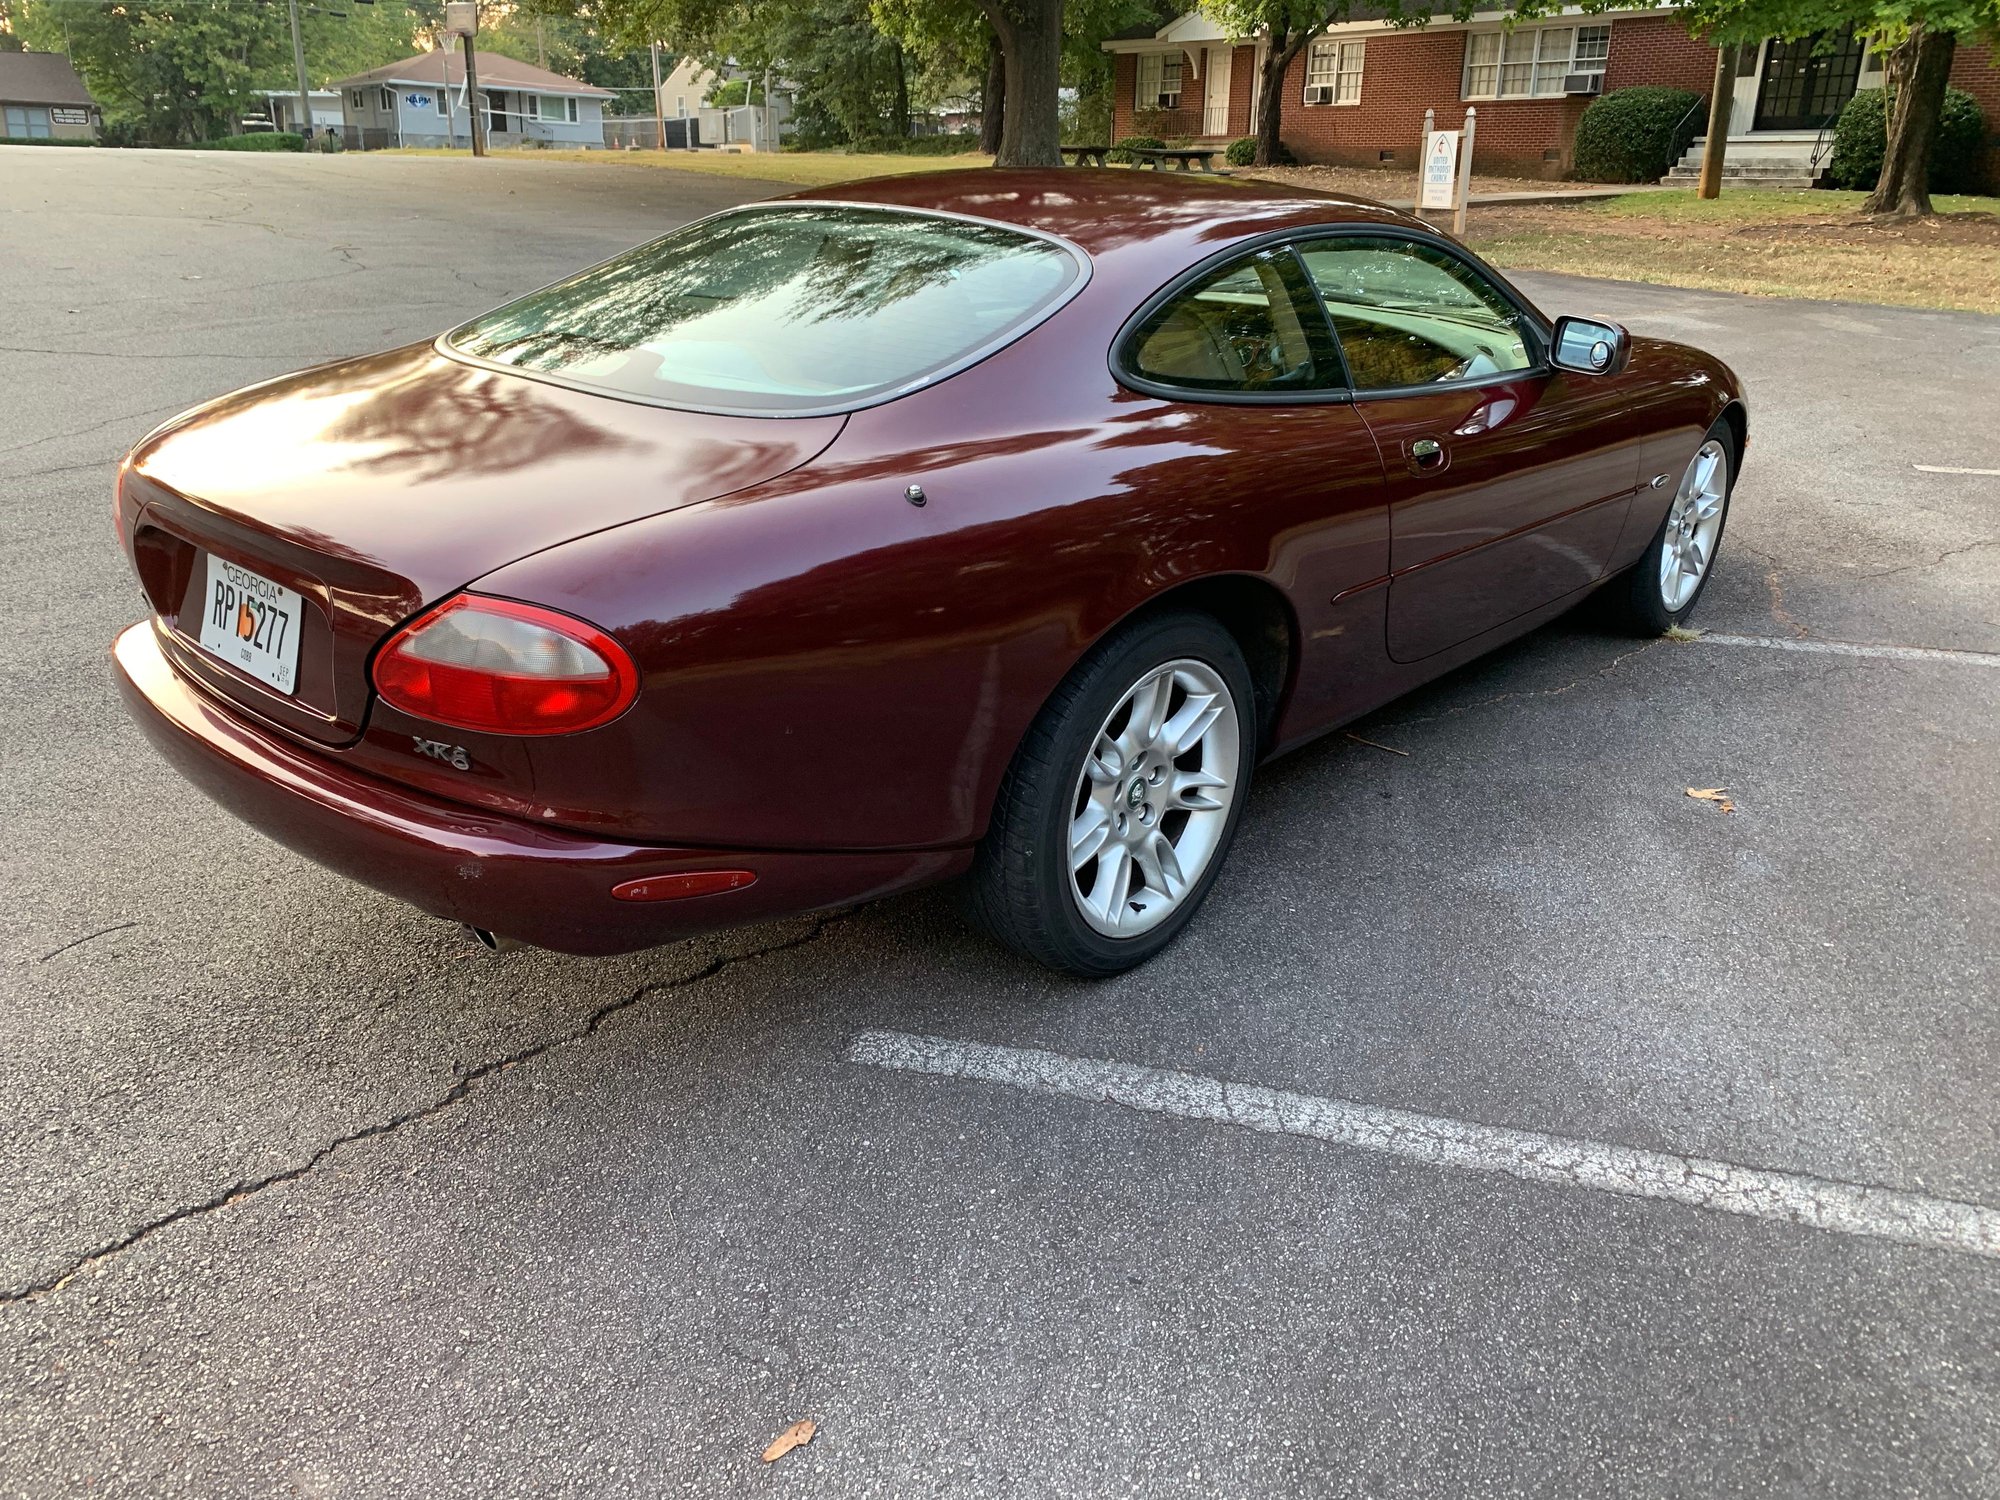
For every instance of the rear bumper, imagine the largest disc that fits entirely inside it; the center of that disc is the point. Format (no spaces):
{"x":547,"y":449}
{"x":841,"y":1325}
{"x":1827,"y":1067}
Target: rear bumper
{"x":540,"y":885}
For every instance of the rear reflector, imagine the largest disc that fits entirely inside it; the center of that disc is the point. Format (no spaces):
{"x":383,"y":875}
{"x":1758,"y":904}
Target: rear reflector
{"x":505,"y":667}
{"x":677,"y":887}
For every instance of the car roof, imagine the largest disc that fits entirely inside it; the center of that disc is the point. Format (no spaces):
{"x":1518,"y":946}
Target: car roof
{"x":1106,"y":210}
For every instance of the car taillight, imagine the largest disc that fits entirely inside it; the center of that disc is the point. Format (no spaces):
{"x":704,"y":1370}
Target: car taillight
{"x":505,"y":668}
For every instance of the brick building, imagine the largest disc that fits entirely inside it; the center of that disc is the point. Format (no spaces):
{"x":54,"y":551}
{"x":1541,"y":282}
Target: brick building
{"x":1356,"y":95}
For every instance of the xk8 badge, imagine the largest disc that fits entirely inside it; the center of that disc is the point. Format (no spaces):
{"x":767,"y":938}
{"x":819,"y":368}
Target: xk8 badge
{"x":452,"y":755}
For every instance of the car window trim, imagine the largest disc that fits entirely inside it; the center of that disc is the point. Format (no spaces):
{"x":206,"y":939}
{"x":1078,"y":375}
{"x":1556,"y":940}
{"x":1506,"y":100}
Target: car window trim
{"x":1538,"y":365}
{"x":1289,"y":239}
{"x":1320,"y":340}
{"x":979,"y":353}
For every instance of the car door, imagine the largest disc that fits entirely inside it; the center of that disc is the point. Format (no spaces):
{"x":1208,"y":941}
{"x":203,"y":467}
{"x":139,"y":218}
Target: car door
{"x":1266,"y":464}
{"x":1508,"y":480}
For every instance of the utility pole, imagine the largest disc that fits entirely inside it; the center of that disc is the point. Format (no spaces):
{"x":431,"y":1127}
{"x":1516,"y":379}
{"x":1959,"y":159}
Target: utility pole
{"x":299,"y":63}
{"x":1713,"y":148}
{"x":659,"y":109}
{"x":472,"y":99}
{"x":462,"y":17}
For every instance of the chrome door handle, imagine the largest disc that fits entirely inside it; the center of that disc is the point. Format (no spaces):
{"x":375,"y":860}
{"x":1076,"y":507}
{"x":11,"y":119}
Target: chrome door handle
{"x":1426,"y":455}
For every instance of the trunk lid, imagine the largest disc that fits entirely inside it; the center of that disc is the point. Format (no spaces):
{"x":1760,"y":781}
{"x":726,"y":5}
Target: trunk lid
{"x":377,"y":486}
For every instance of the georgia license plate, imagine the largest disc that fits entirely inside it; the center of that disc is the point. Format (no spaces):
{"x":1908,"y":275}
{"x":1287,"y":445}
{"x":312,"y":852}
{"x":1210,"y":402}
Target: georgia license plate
{"x":252,"y":623}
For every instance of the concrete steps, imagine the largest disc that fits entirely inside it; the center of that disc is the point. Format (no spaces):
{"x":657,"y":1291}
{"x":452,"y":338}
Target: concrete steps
{"x":1777,"y":161}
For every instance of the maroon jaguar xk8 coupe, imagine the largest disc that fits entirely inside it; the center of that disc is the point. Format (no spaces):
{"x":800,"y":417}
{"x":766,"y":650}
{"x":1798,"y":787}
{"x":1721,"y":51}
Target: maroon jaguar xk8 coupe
{"x":982,"y":522}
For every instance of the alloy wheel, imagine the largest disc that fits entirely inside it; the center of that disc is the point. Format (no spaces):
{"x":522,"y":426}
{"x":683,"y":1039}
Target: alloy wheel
{"x":1151,"y":803}
{"x":1694,"y":525}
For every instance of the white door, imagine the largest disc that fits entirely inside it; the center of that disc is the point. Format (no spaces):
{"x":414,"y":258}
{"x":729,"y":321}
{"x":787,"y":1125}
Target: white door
{"x":1215,"y":91}
{"x":1743,"y":94}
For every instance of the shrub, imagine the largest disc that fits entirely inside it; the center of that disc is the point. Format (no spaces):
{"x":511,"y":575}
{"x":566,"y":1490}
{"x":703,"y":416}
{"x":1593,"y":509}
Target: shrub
{"x":916,"y":145}
{"x":1243,"y":153}
{"x":1635,"y":135}
{"x":1861,"y":138}
{"x":41,"y":140}
{"x":1124,"y":149}
{"x":265,"y":140}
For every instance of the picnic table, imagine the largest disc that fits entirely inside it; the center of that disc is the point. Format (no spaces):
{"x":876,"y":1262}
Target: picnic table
{"x":1085,"y":156}
{"x":1184,"y":158}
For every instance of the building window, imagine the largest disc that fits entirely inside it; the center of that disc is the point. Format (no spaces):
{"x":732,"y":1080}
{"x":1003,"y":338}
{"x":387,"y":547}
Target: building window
{"x":1159,"y":81}
{"x":443,"y":105}
{"x":1333,"y":72}
{"x":573,"y":110}
{"x":27,"y":122}
{"x":554,"y":107}
{"x":389,"y":100}
{"x":1531,"y":62}
{"x":354,"y":97}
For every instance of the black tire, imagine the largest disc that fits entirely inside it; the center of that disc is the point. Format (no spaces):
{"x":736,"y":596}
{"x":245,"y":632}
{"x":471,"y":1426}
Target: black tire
{"x":1634,"y":601}
{"x":1020,"y":887}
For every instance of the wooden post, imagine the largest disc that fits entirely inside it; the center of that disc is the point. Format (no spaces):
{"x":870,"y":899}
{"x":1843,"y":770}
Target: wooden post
{"x":472,"y":100}
{"x":1465,"y":171}
{"x":1423,"y":150}
{"x":1717,"y":144}
{"x":659,"y":107}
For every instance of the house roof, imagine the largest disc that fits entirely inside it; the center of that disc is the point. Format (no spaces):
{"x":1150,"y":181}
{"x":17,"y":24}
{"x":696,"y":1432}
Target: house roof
{"x":496,"y":70}
{"x":40,"y":78}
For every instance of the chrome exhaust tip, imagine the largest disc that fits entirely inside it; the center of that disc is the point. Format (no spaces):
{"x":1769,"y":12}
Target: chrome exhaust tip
{"x":492,"y":942}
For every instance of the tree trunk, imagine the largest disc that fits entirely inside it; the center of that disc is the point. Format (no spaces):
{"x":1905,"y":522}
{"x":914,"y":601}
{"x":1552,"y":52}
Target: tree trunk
{"x":899,"y":103}
{"x":1285,"y":43}
{"x":1715,"y":144}
{"x":1030,"y":33}
{"x":992,"y":97}
{"x":1918,"y":69}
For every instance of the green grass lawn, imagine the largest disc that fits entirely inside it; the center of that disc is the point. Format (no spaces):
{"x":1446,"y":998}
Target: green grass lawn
{"x":1757,"y":205}
{"x":1767,"y":242}
{"x":805,"y":168}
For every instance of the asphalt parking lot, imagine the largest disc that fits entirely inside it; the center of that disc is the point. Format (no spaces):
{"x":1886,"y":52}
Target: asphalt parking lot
{"x":302,"y":1196}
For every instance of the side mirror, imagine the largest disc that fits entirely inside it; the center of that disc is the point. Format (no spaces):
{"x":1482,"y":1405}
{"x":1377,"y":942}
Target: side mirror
{"x":1590,"y":347}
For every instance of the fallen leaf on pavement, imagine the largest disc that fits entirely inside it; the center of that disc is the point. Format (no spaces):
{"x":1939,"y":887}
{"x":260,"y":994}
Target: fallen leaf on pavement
{"x":795,"y":1436}
{"x":1716,"y":794}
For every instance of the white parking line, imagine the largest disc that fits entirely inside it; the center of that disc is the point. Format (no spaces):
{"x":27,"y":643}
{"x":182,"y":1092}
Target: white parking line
{"x":1851,"y":648}
{"x":1948,"y":469}
{"x":1820,"y":1203}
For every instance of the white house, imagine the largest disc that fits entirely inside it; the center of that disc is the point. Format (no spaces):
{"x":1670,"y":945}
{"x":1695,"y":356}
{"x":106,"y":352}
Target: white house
{"x":281,"y":107}
{"x":421,"y":101}
{"x":752,"y":127}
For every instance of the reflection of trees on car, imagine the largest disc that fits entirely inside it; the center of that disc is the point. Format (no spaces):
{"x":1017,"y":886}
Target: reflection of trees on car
{"x":779,"y":303}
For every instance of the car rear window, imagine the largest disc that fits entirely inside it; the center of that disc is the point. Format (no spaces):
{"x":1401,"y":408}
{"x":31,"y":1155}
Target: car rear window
{"x":783,"y":309}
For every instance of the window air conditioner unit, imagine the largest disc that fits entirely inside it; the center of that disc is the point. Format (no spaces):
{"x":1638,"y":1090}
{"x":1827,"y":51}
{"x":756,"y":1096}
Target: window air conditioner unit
{"x":1583,"y":83}
{"x":1320,"y":93}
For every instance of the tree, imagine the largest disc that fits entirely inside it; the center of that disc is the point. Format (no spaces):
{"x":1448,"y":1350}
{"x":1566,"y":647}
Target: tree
{"x":1032,"y":35}
{"x":1919,"y":36}
{"x":178,"y":70}
{"x":1288,"y":25}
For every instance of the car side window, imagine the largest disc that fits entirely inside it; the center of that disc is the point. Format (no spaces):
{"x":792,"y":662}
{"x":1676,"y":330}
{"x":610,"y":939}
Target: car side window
{"x":1412,"y":314}
{"x":1237,"y":330}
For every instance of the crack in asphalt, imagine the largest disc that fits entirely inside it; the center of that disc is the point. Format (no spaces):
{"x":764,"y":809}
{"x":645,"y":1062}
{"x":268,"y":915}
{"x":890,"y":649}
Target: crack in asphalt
{"x":109,"y":461}
{"x":93,"y":427}
{"x":1938,"y":561}
{"x":1551,"y":692}
{"x":1775,"y":585}
{"x":461,"y":1089}
{"x":87,"y":937}
{"x":128,"y":354}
